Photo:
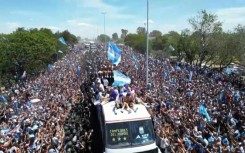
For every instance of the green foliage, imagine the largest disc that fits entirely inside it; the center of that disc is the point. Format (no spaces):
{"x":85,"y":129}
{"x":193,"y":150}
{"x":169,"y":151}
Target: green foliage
{"x":103,"y":38}
{"x":69,"y":38}
{"x":239,"y":38}
{"x":138,"y":42}
{"x":159,"y":43}
{"x":206,"y":25}
{"x":115,"y":36}
{"x":33,"y":48}
{"x":155,"y":33}
{"x":187,"y":46}
{"x":205,"y":44}
{"x":141,"y":31}
{"x":124,"y":33}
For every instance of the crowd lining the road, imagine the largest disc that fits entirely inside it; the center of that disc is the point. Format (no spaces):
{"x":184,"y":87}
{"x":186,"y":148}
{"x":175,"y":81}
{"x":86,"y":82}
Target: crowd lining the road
{"x":59,"y":121}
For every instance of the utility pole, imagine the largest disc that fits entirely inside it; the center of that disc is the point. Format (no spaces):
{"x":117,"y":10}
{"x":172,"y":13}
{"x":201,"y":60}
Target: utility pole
{"x":147,"y":44}
{"x":104,"y":13}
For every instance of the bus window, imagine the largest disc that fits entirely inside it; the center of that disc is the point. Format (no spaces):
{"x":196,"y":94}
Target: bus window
{"x":141,"y":132}
{"x":118,"y":135}
{"x":127,"y":134}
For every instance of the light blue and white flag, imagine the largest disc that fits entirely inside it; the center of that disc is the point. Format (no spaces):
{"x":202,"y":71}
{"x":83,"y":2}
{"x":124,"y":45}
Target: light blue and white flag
{"x":135,"y":62}
{"x":134,"y":58}
{"x":204,"y":112}
{"x":178,"y":68}
{"x":3,"y":99}
{"x":114,"y":53}
{"x":120,"y":79}
{"x":78,"y":71}
{"x":190,"y":75}
{"x":62,"y":40}
{"x":228,"y":71}
{"x":165,"y":75}
{"x":23,"y":75}
{"x":50,"y":67}
{"x":171,"y":48}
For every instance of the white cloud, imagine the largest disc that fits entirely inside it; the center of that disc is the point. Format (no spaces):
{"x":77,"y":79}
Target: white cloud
{"x":113,"y":12}
{"x":11,"y":26}
{"x":25,"y":13}
{"x":81,"y":27}
{"x":149,"y":21}
{"x":77,"y":23}
{"x":231,"y":17}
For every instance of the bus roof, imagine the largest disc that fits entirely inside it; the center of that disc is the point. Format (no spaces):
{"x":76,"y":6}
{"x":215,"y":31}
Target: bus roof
{"x":141,"y":113}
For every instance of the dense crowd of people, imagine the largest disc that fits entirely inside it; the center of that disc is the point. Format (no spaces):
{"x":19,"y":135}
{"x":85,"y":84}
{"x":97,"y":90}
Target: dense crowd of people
{"x":176,"y":94}
{"x":193,"y":109}
{"x":42,"y":115}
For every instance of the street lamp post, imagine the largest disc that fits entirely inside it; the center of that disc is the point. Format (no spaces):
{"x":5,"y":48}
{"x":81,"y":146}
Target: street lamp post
{"x":104,"y":13}
{"x":147,"y":44}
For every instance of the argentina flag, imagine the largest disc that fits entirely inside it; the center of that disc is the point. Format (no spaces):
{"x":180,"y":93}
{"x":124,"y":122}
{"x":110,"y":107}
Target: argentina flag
{"x":62,"y":40}
{"x":190,"y":75}
{"x":228,"y":71}
{"x":3,"y":99}
{"x":78,"y":71}
{"x":114,"y":53}
{"x":203,"y":111}
{"x":135,"y":62}
{"x":120,"y":79}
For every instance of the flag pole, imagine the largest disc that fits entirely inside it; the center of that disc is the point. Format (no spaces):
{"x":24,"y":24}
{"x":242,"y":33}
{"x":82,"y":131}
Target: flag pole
{"x":147,"y":44}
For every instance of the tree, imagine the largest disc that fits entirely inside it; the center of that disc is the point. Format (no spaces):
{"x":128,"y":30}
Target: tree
{"x":223,"y":47}
{"x":186,"y":47}
{"x":206,"y":25}
{"x":103,"y":38}
{"x":33,"y":49}
{"x":115,"y":36}
{"x":138,"y":42}
{"x":141,"y":31}
{"x":155,"y":33}
{"x":159,"y":43}
{"x":124,"y":33}
{"x":239,"y":37}
{"x":172,"y":39}
{"x":68,"y":37}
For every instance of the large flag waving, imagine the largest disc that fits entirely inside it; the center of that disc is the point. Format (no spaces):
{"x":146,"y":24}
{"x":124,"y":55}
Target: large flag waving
{"x":114,"y":53}
{"x":171,"y":48}
{"x":62,"y":40}
{"x":203,"y":111}
{"x":120,"y":79}
{"x":135,"y":62}
{"x":228,"y":71}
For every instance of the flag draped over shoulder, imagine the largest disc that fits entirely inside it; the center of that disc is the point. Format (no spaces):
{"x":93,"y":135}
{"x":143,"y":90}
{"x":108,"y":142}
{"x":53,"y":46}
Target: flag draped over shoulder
{"x":62,"y":40}
{"x":3,"y":99}
{"x":120,"y":79}
{"x":114,"y":53}
{"x":203,"y":111}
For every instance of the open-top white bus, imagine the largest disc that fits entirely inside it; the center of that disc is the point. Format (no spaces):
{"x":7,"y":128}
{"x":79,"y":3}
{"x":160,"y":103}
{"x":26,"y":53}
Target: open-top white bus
{"x":124,"y":132}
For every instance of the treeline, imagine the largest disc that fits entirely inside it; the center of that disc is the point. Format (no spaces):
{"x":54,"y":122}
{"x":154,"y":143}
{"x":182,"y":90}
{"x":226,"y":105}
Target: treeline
{"x":206,"y":43}
{"x":30,"y":50}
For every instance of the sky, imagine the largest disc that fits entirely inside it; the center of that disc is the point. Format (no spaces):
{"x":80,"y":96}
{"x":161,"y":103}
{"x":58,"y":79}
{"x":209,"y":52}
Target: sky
{"x":85,"y":18}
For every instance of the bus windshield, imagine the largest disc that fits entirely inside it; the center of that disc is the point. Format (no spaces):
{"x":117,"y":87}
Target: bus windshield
{"x":127,"y":134}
